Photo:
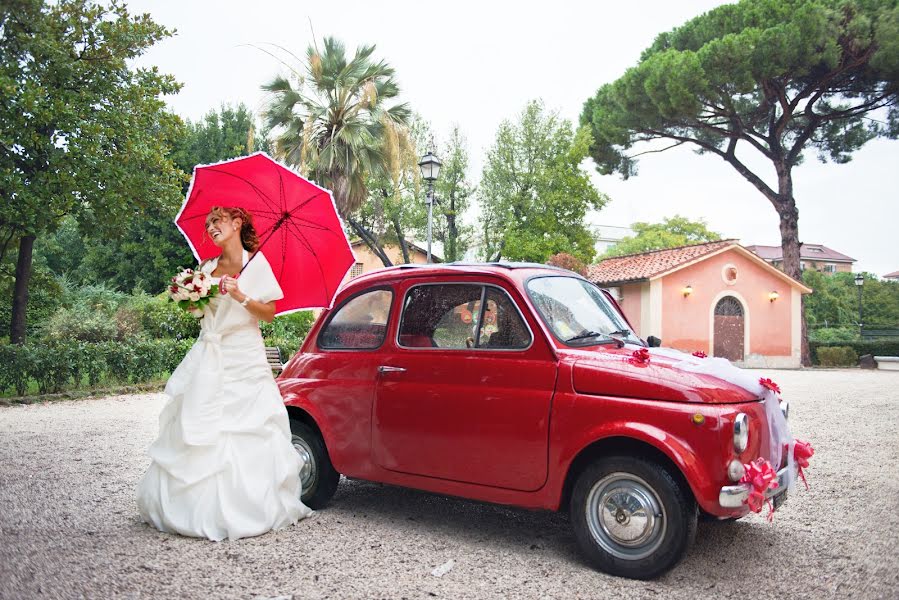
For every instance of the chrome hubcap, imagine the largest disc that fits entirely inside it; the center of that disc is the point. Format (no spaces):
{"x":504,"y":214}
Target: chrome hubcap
{"x":625,"y":516}
{"x":308,"y":471}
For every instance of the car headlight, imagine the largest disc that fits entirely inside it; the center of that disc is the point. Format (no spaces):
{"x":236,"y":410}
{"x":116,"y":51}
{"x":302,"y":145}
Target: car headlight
{"x":785,"y":408}
{"x":741,"y":433}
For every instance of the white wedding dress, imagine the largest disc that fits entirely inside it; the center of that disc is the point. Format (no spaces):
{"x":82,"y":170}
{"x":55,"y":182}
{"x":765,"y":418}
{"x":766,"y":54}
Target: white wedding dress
{"x":223,"y":465}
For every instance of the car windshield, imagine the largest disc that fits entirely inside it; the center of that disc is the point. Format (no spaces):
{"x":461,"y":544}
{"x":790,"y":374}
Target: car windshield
{"x":577,"y":312}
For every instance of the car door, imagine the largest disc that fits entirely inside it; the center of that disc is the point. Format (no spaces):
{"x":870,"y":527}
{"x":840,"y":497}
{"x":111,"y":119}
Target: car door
{"x":466,"y":393}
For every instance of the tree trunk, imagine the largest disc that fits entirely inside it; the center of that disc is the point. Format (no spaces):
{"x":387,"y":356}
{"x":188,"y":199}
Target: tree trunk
{"x":20,"y":294}
{"x":371,"y":241}
{"x":452,"y":232}
{"x":402,"y":240}
{"x":792,"y":266}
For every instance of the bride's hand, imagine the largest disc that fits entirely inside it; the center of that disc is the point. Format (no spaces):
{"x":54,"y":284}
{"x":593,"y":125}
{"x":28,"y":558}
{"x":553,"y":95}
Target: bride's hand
{"x":228,"y":285}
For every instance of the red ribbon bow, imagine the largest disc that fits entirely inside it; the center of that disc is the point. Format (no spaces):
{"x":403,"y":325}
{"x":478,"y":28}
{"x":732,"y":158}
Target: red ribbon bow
{"x":641,"y":355}
{"x":761,"y":477}
{"x":700,"y":354}
{"x":767,"y":383}
{"x":802,"y":451}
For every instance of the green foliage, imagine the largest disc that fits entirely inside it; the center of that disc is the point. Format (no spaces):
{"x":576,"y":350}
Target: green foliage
{"x":834,"y":334}
{"x":670,"y":233}
{"x":84,"y":134}
{"x":333,"y":121}
{"x":881,"y":347}
{"x":288,"y":331}
{"x":453,"y":192}
{"x":534,"y":194}
{"x":836,"y":356}
{"x":778,"y":75}
{"x":835,"y":303}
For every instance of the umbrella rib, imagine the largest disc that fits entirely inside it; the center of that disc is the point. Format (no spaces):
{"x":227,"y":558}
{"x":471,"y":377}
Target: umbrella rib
{"x":268,"y":201}
{"x":321,"y":271}
{"x":305,"y":202}
{"x":301,"y":238}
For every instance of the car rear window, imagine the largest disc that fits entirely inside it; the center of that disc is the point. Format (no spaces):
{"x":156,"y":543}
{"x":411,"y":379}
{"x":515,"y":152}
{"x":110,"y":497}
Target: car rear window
{"x":359,"y":324}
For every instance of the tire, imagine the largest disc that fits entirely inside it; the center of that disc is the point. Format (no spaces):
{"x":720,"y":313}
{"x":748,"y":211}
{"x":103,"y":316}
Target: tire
{"x":318,"y":477}
{"x":632,"y":517}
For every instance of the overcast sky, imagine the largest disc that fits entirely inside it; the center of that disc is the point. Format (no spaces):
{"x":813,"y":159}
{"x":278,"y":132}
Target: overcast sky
{"x":478,"y":63}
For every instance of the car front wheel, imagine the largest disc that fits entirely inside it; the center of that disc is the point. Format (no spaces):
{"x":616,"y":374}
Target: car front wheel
{"x":632,"y":517}
{"x":317,"y":476}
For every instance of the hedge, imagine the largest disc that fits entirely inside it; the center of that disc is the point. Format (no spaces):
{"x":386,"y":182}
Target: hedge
{"x":881,"y":347}
{"x":55,"y":365}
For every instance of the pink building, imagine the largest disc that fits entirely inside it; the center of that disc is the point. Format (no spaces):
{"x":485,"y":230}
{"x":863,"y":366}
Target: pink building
{"x":717,"y":297}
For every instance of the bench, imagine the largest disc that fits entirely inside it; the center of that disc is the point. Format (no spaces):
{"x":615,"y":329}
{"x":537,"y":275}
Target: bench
{"x":887,"y":363}
{"x":273,"y":355}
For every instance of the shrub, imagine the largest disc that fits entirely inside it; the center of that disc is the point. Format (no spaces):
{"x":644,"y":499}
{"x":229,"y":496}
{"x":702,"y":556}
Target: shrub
{"x":837,"y":356}
{"x":160,"y":319}
{"x":834,"y":334}
{"x":567,"y":261}
{"x":15,"y":366}
{"x":81,"y":323}
{"x":876,"y":347}
{"x":288,"y":332}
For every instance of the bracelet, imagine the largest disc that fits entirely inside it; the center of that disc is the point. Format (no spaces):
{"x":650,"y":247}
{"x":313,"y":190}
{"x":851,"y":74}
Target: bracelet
{"x":245,"y":301}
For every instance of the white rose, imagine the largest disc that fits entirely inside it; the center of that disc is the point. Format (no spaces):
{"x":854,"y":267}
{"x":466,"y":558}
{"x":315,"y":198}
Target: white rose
{"x":194,"y":296}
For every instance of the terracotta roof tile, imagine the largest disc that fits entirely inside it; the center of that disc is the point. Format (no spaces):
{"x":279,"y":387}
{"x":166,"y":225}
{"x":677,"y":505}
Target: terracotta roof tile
{"x":635,"y":267}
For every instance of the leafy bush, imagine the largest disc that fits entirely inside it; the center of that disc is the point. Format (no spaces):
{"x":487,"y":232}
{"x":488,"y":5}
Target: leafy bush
{"x":834,"y":334}
{"x":288,"y":332}
{"x":81,"y":323}
{"x":877,"y":347}
{"x":161,"y":319}
{"x":54,"y":365}
{"x":837,"y":356}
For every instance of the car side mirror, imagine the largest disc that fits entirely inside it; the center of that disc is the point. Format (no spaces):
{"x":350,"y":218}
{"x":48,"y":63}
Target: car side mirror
{"x":653,"y":341}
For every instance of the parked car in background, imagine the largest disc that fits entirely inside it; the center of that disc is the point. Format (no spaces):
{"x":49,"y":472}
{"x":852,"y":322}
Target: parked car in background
{"x":516,"y":384}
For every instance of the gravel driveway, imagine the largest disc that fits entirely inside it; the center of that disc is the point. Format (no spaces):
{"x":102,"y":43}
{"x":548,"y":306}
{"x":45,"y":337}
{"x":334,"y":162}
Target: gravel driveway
{"x":69,"y":526}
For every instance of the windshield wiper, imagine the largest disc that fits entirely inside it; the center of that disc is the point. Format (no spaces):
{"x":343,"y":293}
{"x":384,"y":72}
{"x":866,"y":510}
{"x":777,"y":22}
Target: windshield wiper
{"x":590,"y":334}
{"x":621,"y":332}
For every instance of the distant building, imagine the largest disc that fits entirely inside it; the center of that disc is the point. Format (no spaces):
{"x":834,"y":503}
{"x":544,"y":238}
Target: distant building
{"x":894,"y":276}
{"x":811,"y":256}
{"x":367,"y":261}
{"x":716,"y":297}
{"x":609,"y":235}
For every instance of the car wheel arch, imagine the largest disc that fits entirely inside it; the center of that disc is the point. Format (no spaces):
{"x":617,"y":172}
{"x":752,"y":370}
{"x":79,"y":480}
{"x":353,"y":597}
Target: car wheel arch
{"x":619,"y":445}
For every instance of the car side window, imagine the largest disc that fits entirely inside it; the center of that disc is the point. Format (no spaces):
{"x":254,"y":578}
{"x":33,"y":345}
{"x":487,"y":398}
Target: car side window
{"x":360,"y":324}
{"x":449,"y":316}
{"x":440,"y":316}
{"x":503,"y":328}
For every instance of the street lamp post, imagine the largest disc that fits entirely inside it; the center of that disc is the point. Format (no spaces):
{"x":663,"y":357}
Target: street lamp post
{"x":430,"y":168}
{"x":859,"y":282}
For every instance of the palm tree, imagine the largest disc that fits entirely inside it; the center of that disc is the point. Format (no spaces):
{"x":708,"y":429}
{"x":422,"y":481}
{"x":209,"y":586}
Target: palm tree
{"x":334,"y":124}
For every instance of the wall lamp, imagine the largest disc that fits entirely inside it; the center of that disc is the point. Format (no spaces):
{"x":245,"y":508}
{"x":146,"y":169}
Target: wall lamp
{"x":773,"y":295}
{"x":687,"y":290}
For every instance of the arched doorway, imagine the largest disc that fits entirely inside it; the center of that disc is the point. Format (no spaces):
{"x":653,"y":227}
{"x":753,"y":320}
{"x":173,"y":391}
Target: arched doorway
{"x":729,"y":324}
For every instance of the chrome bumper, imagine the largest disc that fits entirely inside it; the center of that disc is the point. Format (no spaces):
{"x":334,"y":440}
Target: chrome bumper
{"x":734,"y":496}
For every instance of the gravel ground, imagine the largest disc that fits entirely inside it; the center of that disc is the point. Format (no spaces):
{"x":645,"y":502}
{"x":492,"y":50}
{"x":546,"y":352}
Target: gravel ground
{"x":69,"y":526}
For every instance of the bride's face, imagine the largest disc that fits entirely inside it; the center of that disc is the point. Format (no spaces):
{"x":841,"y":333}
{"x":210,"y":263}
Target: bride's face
{"x":222,"y":228}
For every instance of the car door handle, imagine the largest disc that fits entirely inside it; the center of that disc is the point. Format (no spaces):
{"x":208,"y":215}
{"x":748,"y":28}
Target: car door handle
{"x":389,"y":369}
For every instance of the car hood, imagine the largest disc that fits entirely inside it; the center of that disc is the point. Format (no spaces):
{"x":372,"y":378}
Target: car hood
{"x":605,"y":371}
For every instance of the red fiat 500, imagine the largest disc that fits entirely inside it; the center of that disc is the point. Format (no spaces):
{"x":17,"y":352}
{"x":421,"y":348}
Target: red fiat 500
{"x":513,"y":384}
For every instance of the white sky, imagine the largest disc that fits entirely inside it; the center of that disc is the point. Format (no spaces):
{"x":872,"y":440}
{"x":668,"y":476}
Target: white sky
{"x":478,"y":63}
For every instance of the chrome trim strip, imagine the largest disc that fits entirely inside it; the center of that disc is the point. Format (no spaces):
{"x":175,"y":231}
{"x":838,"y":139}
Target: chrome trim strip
{"x":734,"y":496}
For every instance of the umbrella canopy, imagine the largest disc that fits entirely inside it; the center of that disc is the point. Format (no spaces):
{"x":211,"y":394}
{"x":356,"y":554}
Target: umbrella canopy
{"x":299,"y":230}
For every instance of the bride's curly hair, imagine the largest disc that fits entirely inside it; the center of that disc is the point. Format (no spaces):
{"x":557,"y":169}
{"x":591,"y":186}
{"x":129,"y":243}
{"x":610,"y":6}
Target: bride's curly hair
{"x":248,"y":236}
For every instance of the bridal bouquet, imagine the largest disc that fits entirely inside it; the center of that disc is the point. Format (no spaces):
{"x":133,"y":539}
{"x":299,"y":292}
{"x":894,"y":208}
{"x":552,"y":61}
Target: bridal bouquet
{"x":191,"y":291}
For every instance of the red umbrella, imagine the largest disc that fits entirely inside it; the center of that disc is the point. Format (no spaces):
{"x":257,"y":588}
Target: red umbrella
{"x":296,"y":220}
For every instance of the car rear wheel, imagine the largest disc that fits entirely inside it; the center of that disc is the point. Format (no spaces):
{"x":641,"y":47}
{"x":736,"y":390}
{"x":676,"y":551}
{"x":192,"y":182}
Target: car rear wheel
{"x":632,"y":517}
{"x":317,"y":476}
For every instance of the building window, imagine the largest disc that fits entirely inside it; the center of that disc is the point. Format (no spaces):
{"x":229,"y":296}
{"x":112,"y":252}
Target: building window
{"x":729,"y":274}
{"x":830,"y":268}
{"x":356,"y":271}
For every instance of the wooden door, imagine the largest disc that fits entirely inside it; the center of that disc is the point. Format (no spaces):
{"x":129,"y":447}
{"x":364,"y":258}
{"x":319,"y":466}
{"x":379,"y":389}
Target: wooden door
{"x":728,"y":335}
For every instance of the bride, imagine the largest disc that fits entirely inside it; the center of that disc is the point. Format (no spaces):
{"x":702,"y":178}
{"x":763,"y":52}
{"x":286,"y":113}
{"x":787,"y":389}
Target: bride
{"x":223,"y":465}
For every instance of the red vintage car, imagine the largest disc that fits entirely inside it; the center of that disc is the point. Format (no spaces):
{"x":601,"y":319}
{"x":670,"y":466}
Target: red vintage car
{"x":516,"y":384}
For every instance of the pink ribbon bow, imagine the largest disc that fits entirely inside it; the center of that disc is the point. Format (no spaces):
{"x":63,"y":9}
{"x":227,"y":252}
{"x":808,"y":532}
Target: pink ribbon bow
{"x":761,"y":477}
{"x":767,"y":383}
{"x":802,"y":451}
{"x":641,"y":356}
